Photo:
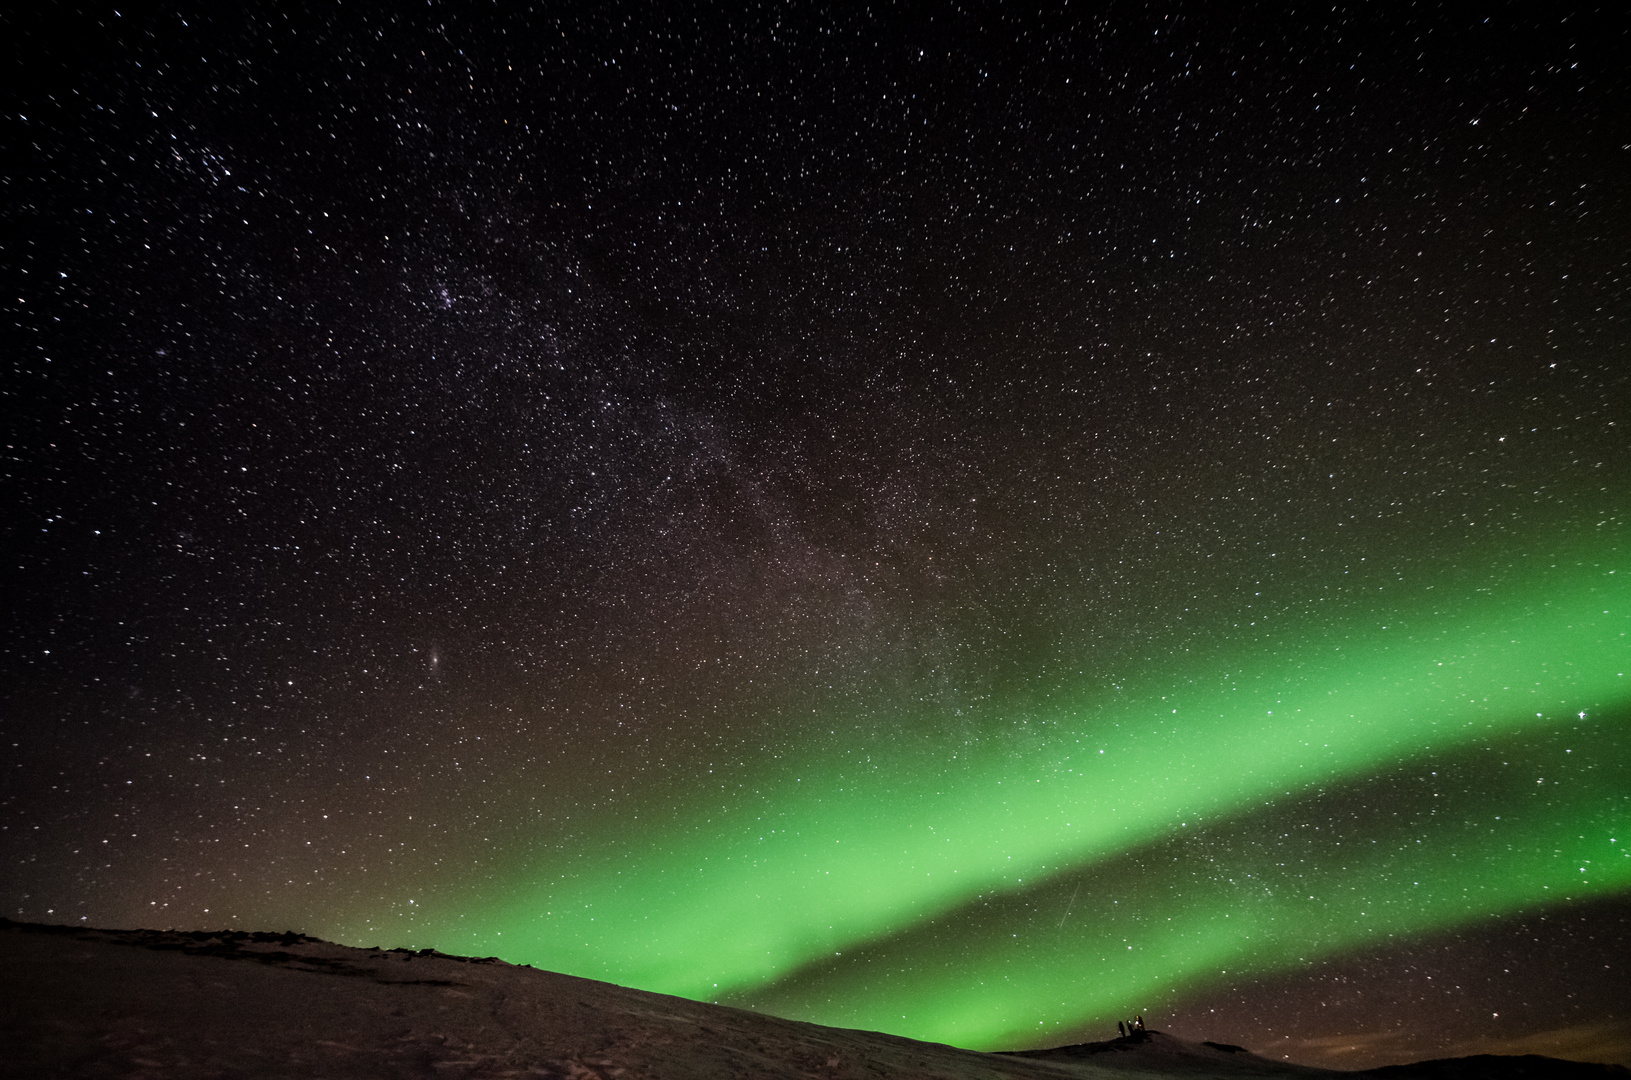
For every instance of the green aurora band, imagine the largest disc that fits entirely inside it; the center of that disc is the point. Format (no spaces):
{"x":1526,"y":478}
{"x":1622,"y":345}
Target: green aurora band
{"x":1116,"y":937}
{"x":861,"y":847}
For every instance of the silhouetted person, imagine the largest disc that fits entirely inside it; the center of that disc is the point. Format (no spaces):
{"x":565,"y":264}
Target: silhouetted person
{"x":1121,"y":1029}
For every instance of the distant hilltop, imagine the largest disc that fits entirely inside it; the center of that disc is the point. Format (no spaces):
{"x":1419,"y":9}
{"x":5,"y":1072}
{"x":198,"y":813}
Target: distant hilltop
{"x":85,"y":1002}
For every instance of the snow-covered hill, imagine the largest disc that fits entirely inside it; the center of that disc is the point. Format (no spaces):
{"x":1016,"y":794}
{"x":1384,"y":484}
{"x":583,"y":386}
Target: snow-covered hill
{"x":97,"y":1003}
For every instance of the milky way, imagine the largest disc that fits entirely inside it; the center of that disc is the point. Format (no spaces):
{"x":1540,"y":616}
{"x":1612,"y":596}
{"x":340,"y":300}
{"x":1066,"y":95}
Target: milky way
{"x":965,"y":524}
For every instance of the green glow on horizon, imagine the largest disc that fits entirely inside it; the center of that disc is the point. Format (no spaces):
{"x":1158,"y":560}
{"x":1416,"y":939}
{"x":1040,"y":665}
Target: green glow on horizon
{"x":852,"y":850}
{"x":863,"y":847}
{"x":1028,"y":965}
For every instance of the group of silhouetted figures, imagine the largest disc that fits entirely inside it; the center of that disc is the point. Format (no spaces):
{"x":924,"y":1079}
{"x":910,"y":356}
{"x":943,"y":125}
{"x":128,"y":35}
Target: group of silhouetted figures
{"x":1128,"y":1027}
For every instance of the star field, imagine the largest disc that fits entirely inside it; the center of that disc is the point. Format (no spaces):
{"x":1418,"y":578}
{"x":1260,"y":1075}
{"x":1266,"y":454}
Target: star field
{"x":965,"y":522}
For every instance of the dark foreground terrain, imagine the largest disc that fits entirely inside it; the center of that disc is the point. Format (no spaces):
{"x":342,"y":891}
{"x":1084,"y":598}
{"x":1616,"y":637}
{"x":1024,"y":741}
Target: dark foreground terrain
{"x":100,"y":1003}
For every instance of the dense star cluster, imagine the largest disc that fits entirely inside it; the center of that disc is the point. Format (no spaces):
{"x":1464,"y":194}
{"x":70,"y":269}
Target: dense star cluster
{"x":959,"y":521}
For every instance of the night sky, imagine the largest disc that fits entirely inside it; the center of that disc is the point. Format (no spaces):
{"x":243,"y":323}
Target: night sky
{"x":966,"y":521}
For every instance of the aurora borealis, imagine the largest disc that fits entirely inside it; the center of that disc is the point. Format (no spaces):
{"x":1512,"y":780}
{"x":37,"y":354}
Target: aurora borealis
{"x":707,"y":906}
{"x":961,"y":524}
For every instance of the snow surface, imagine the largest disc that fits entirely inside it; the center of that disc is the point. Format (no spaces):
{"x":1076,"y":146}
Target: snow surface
{"x":97,"y":1003}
